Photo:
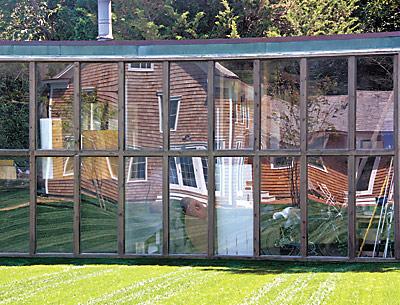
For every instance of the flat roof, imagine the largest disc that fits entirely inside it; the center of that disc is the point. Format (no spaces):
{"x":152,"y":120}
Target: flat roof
{"x":371,"y":43}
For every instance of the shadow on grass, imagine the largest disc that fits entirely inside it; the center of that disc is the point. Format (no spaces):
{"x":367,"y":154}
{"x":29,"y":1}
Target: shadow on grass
{"x":222,"y":265}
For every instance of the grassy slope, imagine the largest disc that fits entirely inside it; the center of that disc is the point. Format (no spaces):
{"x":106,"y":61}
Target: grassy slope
{"x":195,"y":282}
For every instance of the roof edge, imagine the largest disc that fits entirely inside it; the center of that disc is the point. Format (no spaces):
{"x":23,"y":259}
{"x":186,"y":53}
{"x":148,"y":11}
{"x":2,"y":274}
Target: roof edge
{"x":201,"y":41}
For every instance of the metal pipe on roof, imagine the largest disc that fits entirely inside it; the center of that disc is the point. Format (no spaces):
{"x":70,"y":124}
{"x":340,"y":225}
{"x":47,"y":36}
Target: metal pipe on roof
{"x":104,"y":20}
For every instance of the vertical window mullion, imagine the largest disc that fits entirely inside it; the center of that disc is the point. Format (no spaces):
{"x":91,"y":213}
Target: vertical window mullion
{"x":256,"y":167}
{"x":121,"y":159}
{"x":352,"y":87}
{"x":77,"y":161}
{"x":32,"y":160}
{"x":303,"y":158}
{"x":396,"y":88}
{"x":165,"y":128}
{"x":211,"y":162}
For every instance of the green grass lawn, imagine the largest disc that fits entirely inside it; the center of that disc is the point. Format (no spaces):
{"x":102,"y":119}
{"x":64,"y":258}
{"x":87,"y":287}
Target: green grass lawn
{"x":101,"y":281}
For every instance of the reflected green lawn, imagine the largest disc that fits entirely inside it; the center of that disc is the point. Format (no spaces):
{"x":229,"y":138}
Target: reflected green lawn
{"x":14,"y":218}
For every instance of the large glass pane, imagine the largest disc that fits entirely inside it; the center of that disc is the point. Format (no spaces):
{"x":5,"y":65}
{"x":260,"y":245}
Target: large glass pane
{"x":234,"y":105}
{"x":143,"y":103}
{"x":99,"y":204}
{"x":55,"y":94}
{"x":55,"y":204}
{"x":188,"y":118}
{"x":14,"y":204}
{"x":280,"y":98}
{"x":14,"y":105}
{"x":234,"y":206}
{"x":375,"y":206}
{"x":99,"y":106}
{"x":375,"y":107}
{"x":327,"y":206}
{"x":280,"y":206}
{"x":143,"y":205}
{"x":327,"y":103}
{"x":188,"y":205}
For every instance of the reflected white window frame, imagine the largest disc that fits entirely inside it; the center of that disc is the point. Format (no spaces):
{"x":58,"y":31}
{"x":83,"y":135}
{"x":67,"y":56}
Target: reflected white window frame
{"x":143,"y":66}
{"x":65,"y":172}
{"x":219,"y":144}
{"x":129,"y":179}
{"x":240,"y":185}
{"x":247,"y":115}
{"x":237,"y":112}
{"x":322,"y":168}
{"x":172,"y":98}
{"x":201,"y":185}
{"x":220,"y":165}
{"x":113,"y":176}
{"x":372,"y":177}
{"x":273,"y":166}
{"x":90,"y":90}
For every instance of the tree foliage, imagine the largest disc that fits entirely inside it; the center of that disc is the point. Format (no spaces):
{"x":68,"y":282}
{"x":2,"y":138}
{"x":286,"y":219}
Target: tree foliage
{"x":379,"y":15}
{"x":314,"y":17}
{"x":182,"y":19}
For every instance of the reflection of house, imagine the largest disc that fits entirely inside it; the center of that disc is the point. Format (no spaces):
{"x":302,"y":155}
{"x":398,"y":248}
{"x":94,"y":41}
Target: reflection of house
{"x":188,"y":130}
{"x":328,"y":176}
{"x":188,"y":122}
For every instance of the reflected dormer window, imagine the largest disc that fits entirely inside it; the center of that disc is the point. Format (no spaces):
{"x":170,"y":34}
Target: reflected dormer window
{"x":141,"y":66}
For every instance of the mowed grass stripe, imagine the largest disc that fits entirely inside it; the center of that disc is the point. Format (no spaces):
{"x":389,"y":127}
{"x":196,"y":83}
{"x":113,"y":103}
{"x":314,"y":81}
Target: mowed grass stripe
{"x":323,"y":290}
{"x":68,"y":278}
{"x":287,"y":294}
{"x":23,"y":273}
{"x":24,"y":280}
{"x":151,"y":276}
{"x":231,"y":287}
{"x":195,"y":292}
{"x":137,"y":294}
{"x":158,"y":297}
{"x":367,"y":287}
{"x":81,"y":292}
{"x":261,"y":292}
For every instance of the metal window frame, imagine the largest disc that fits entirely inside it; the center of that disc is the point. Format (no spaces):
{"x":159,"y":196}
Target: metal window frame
{"x":211,"y":154}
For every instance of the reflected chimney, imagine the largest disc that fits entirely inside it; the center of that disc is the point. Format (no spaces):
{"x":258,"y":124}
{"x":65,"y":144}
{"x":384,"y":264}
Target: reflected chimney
{"x":104,"y":20}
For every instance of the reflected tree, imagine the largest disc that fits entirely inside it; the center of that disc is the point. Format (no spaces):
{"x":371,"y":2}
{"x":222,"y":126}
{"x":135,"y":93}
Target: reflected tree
{"x":14,"y":106}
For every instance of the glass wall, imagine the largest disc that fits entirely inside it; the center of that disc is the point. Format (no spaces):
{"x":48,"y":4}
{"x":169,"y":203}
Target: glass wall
{"x":280,"y":206}
{"x":375,"y":103}
{"x":280,"y":104}
{"x":188,"y":119}
{"x":143,"y":205}
{"x":234,"y":105}
{"x":375,"y":206}
{"x":99,"y":204}
{"x":188,"y":203}
{"x":327,"y":201}
{"x":14,"y":106}
{"x":54,"y":204}
{"x":143,"y":101}
{"x":328,"y":104}
{"x":99,"y":106}
{"x":55,"y":95}
{"x":278,"y":179}
{"x":14,"y":204}
{"x":234,"y":205}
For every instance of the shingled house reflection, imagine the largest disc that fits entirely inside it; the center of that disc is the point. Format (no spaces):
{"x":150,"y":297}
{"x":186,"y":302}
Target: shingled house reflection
{"x":188,"y":176}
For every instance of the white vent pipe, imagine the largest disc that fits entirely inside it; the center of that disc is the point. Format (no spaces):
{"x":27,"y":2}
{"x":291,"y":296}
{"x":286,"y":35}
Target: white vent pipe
{"x":104,"y":20}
